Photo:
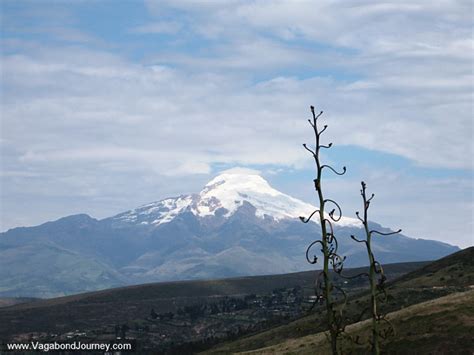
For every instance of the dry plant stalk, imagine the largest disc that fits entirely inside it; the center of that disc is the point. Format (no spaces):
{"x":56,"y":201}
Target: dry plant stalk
{"x":324,"y":288}
{"x":376,"y":277}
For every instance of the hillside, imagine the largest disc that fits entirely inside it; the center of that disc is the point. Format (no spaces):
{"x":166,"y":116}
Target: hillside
{"x":440,"y":326}
{"x":450,"y":275}
{"x":10,"y":301}
{"x":240,"y":305}
{"x":257,"y":312}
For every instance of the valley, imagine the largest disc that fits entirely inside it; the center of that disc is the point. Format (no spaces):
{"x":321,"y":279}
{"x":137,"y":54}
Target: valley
{"x":176,"y":316}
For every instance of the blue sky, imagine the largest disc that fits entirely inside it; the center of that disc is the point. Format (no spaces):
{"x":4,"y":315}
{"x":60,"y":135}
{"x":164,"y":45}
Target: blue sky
{"x":107,"y":105}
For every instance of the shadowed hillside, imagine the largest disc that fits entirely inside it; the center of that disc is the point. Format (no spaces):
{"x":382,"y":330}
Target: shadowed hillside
{"x":450,"y":275}
{"x":254,"y":312}
{"x":223,"y":308}
{"x":440,"y":326}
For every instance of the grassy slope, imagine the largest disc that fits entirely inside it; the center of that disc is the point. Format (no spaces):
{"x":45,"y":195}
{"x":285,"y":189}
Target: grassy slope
{"x":441,"y":326}
{"x":10,"y":301}
{"x":454,"y":273}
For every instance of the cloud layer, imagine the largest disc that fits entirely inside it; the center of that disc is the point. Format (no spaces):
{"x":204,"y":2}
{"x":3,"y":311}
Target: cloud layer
{"x":139,"y":115}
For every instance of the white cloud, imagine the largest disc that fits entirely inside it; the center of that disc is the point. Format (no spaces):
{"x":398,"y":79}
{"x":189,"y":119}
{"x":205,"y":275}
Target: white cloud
{"x":393,"y":76}
{"x":241,"y":170}
{"x":163,"y":27}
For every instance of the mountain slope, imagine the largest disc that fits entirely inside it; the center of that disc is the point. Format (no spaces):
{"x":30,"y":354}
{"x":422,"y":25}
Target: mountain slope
{"x":237,"y":225}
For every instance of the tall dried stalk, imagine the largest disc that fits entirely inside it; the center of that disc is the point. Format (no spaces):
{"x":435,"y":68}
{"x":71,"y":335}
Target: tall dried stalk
{"x":324,"y":288}
{"x":376,"y":277}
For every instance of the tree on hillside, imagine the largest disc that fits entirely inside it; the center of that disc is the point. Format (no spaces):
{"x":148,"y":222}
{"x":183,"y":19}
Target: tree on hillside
{"x":325,"y":290}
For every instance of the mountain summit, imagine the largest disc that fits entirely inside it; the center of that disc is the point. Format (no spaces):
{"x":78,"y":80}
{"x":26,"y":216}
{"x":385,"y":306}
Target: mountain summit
{"x":237,"y":225}
{"x":223,"y":196}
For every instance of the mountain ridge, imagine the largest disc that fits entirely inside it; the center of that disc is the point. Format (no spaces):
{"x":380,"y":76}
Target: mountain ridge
{"x":233,"y":227}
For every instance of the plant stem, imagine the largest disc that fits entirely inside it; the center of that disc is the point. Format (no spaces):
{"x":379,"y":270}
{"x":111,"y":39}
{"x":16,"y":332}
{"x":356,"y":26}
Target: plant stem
{"x":324,"y":239}
{"x":372,"y":278}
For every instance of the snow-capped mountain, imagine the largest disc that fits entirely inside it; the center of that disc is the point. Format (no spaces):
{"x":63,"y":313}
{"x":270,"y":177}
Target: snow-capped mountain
{"x":223,"y":196}
{"x":236,"y":225}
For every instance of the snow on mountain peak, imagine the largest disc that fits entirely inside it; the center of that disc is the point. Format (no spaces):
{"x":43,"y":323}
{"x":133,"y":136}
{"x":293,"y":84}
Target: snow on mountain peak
{"x":240,"y":182}
{"x":231,"y":190}
{"x":156,"y":212}
{"x":226,"y":193}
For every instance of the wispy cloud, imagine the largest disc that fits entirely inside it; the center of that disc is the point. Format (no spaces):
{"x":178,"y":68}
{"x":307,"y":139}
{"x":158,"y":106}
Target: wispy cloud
{"x":157,"y":28}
